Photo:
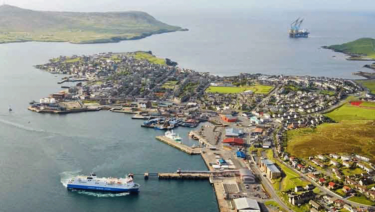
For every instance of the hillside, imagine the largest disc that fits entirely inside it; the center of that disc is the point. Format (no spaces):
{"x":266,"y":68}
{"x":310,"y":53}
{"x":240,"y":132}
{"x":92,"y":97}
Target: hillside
{"x":361,"y":49}
{"x":20,"y":25}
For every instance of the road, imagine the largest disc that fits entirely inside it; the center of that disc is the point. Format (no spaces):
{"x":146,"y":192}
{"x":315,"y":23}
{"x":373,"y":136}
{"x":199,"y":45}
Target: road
{"x":267,"y":97}
{"x":266,"y":183}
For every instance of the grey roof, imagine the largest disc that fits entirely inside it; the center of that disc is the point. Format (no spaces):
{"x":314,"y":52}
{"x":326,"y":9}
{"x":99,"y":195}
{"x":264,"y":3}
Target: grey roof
{"x":273,"y":168}
{"x":246,"y":203}
{"x":246,"y":172}
{"x":266,"y":162}
{"x":233,"y":132}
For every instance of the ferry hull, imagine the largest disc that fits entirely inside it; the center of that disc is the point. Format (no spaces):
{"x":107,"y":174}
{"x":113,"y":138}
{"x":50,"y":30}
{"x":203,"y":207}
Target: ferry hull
{"x":102,"y":189}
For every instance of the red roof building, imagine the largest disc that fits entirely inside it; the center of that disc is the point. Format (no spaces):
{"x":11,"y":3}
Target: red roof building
{"x":228,"y":118}
{"x":331,"y":185}
{"x":234,"y":141}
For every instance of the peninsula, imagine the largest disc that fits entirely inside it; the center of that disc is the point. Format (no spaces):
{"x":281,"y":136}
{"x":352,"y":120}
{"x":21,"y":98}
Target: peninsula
{"x":22,"y":25}
{"x":359,"y":50}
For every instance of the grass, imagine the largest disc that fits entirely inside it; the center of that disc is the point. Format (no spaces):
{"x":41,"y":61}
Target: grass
{"x":369,"y":84}
{"x":149,"y":57}
{"x":363,"y":46}
{"x":368,"y":104}
{"x":274,"y":204}
{"x":348,"y":136}
{"x":325,"y":92}
{"x":361,"y":199}
{"x":349,"y":172}
{"x":340,"y":192}
{"x":291,"y":179}
{"x":170,"y":84}
{"x":21,"y":25}
{"x":350,"y":112}
{"x":258,"y":89}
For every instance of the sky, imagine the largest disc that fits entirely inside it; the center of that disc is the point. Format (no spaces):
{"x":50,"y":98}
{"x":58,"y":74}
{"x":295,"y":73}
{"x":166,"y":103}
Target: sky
{"x":193,"y":5}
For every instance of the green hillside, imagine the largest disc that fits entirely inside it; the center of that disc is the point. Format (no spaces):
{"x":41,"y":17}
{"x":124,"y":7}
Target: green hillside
{"x":361,"y":48}
{"x":20,"y":25}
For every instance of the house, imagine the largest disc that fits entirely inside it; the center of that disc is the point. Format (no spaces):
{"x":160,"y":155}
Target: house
{"x":312,"y":176}
{"x":298,"y":189}
{"x":363,"y":158}
{"x":328,"y":199}
{"x":346,"y":189}
{"x":297,"y":199}
{"x":335,"y":163}
{"x":315,"y":205}
{"x":334,"y":156}
{"x":318,"y":163}
{"x":322,"y":181}
{"x":246,"y":205}
{"x":346,"y":158}
{"x":267,"y":144}
{"x":234,"y":141}
{"x":257,"y":131}
{"x":339,"y":203}
{"x":309,"y":187}
{"x":347,"y":164}
{"x":322,"y":157}
{"x":349,"y":208}
{"x":331,"y":185}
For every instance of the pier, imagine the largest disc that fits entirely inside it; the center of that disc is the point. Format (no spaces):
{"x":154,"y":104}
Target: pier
{"x":187,"y":149}
{"x":202,"y":140}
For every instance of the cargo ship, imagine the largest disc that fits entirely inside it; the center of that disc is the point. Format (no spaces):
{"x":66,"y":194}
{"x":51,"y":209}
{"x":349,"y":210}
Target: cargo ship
{"x":113,"y":185}
{"x":296,"y":31}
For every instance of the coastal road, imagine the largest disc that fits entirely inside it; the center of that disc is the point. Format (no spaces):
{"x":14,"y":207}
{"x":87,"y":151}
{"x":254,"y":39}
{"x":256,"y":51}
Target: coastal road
{"x":322,"y":188}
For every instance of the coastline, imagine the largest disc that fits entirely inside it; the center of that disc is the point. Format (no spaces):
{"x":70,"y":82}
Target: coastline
{"x":114,"y":39}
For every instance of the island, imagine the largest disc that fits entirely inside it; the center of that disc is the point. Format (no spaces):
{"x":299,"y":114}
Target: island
{"x":22,"y":25}
{"x":359,"y":50}
{"x":288,"y":143}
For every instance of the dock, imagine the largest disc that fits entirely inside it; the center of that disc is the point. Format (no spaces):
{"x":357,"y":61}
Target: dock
{"x":200,"y":138}
{"x":187,"y":149}
{"x":184,"y":176}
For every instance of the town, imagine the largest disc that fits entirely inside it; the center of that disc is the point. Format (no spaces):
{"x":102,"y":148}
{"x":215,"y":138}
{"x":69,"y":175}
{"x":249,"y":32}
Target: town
{"x":243,"y":126}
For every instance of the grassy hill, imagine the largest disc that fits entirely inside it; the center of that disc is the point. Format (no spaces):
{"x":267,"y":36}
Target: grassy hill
{"x":354,"y":132}
{"x":20,"y":25}
{"x":363,"y":48}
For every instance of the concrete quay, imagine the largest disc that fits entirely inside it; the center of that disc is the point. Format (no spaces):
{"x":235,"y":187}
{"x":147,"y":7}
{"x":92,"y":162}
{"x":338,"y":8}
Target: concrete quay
{"x":179,"y":146}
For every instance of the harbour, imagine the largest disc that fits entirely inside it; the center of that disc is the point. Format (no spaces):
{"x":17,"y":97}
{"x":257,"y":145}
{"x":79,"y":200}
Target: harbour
{"x":110,"y":142}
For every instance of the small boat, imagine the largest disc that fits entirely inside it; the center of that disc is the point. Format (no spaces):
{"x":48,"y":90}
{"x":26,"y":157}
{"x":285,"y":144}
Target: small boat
{"x":172,"y":135}
{"x":10,"y":109}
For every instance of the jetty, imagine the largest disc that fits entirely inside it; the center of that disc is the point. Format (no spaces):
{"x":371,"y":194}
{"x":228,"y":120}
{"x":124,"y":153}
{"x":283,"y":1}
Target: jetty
{"x":187,"y":149}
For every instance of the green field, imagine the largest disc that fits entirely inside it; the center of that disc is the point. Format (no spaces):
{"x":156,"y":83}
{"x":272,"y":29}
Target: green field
{"x":170,"y":84}
{"x":349,"y":112}
{"x":348,"y":136}
{"x":21,"y":25}
{"x":363,"y":46}
{"x":370,"y":84}
{"x":149,"y":57}
{"x":291,"y":180}
{"x":361,"y":199}
{"x":274,"y":204}
{"x":349,"y":172}
{"x":258,"y":89}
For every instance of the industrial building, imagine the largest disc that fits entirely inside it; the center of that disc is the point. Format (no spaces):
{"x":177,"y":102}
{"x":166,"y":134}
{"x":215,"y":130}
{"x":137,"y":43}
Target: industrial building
{"x":270,"y":169}
{"x":233,"y":132}
{"x":246,"y":205}
{"x":247,"y":176}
